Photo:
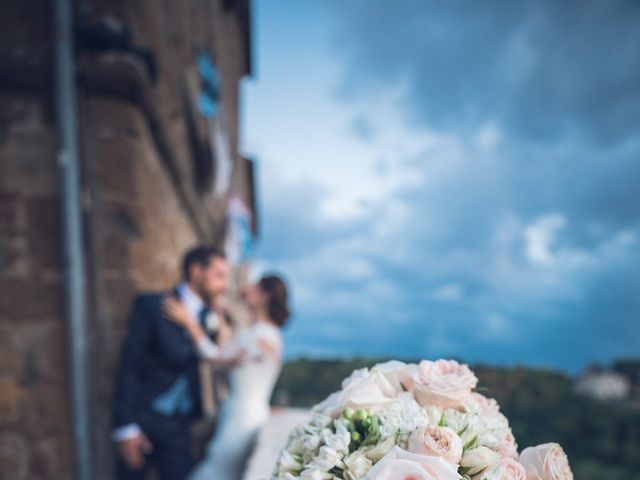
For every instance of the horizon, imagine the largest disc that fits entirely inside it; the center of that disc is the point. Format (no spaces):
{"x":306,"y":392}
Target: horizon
{"x":474,"y":364}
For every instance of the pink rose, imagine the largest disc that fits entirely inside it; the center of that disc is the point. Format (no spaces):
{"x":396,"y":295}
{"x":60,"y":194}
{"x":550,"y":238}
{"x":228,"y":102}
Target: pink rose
{"x":443,"y":383}
{"x":488,"y":409}
{"x":437,"y":442}
{"x":363,"y":389}
{"x":546,"y":462}
{"x":507,"y":469}
{"x":508,"y":446}
{"x":399,"y":464}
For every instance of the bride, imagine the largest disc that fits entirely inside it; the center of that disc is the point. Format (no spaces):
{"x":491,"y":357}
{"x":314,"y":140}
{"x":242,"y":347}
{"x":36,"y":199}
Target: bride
{"x":254,"y":357}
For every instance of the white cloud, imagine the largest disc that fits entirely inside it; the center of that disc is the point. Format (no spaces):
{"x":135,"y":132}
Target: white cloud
{"x":541,"y":237}
{"x":488,"y":137}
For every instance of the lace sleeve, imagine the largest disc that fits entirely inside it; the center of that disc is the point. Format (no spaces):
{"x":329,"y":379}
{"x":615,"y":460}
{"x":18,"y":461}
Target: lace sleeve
{"x":269,"y":342}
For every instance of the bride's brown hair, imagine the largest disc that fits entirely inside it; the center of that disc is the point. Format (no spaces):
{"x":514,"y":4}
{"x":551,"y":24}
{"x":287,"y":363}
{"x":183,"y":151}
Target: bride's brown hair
{"x":277,"y":307}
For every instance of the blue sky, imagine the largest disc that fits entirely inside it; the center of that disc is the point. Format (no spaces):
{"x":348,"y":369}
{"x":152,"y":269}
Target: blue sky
{"x":451,"y":178}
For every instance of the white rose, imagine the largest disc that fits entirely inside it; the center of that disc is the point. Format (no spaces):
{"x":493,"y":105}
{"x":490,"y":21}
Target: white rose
{"x":357,"y":466}
{"x":397,"y":373}
{"x":357,"y":374}
{"x":434,"y":413}
{"x":327,"y":459}
{"x":399,"y":464}
{"x":506,"y":469}
{"x":546,"y":462}
{"x":443,"y":383}
{"x":437,"y":442}
{"x":361,"y":390}
{"x":477,"y":460}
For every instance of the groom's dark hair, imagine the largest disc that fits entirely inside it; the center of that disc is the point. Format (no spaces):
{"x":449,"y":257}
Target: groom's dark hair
{"x":200,"y":255}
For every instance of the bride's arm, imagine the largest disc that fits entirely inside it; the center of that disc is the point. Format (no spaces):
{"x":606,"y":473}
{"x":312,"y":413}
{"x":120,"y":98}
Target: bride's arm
{"x":178,"y":313}
{"x":225,"y":357}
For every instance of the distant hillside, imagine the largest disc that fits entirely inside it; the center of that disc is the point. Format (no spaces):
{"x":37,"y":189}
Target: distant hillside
{"x":601,"y":439}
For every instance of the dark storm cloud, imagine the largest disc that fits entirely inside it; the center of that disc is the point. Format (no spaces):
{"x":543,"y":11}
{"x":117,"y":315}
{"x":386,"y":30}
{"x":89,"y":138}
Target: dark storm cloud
{"x":542,"y":69}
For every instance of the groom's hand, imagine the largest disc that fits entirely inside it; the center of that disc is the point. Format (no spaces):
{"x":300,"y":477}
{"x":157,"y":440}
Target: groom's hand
{"x":133,"y":450}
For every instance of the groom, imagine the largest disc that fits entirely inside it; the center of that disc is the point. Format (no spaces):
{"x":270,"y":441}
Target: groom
{"x":157,"y":392}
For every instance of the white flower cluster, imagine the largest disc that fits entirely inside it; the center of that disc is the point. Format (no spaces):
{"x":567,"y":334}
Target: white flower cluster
{"x":424,"y":421}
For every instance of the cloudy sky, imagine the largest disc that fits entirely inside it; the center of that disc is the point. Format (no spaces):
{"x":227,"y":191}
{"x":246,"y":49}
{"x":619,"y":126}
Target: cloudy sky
{"x":451,"y":178}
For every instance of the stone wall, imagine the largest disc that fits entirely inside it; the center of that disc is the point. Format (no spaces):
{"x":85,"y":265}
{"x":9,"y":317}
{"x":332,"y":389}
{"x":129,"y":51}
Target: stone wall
{"x":142,"y":203}
{"x":35,"y":428}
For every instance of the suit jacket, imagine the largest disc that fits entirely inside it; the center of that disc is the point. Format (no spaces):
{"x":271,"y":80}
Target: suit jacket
{"x":156,"y":352}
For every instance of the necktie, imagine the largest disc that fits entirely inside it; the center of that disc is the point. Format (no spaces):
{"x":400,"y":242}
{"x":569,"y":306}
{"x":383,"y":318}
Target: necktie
{"x":202,"y":317}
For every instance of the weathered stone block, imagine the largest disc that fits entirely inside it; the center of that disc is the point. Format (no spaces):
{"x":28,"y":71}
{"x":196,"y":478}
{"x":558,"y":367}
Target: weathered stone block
{"x":30,"y":299}
{"x":28,"y":164}
{"x":45,"y":234}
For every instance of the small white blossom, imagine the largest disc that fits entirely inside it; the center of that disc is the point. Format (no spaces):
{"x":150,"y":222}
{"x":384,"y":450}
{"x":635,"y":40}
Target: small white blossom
{"x":311,"y":442}
{"x":319,"y":420}
{"x":327,"y":459}
{"x":357,"y":465}
{"x":314,"y":474}
{"x":339,"y":441}
{"x":289,"y":463}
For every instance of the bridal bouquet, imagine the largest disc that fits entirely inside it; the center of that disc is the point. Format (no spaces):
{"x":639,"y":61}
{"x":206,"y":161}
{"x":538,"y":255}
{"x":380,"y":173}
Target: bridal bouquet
{"x":401,"y":421}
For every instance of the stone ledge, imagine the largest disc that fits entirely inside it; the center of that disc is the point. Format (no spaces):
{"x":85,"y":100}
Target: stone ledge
{"x":272,"y":439}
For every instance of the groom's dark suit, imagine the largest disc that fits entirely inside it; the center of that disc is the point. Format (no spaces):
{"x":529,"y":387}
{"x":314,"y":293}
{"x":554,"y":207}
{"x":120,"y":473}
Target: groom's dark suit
{"x":157,"y":388}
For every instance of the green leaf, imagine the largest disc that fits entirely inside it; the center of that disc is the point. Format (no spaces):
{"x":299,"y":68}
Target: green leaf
{"x":471,"y":444}
{"x":371,"y":439}
{"x":464,"y":470}
{"x":336,"y":471}
{"x":442,"y":422}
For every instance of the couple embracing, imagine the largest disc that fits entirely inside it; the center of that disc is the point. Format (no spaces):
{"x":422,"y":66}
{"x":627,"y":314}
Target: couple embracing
{"x":161,"y":379}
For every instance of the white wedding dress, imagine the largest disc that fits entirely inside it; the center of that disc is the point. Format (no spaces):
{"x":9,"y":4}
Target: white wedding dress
{"x":246,"y":408}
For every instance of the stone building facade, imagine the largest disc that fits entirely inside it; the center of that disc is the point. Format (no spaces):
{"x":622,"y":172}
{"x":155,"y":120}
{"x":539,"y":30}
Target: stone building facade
{"x":149,"y":164}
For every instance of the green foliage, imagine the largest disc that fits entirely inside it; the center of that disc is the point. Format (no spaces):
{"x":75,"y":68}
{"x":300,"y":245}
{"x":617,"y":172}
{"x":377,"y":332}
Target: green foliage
{"x":602,"y":440}
{"x":364,"y":427}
